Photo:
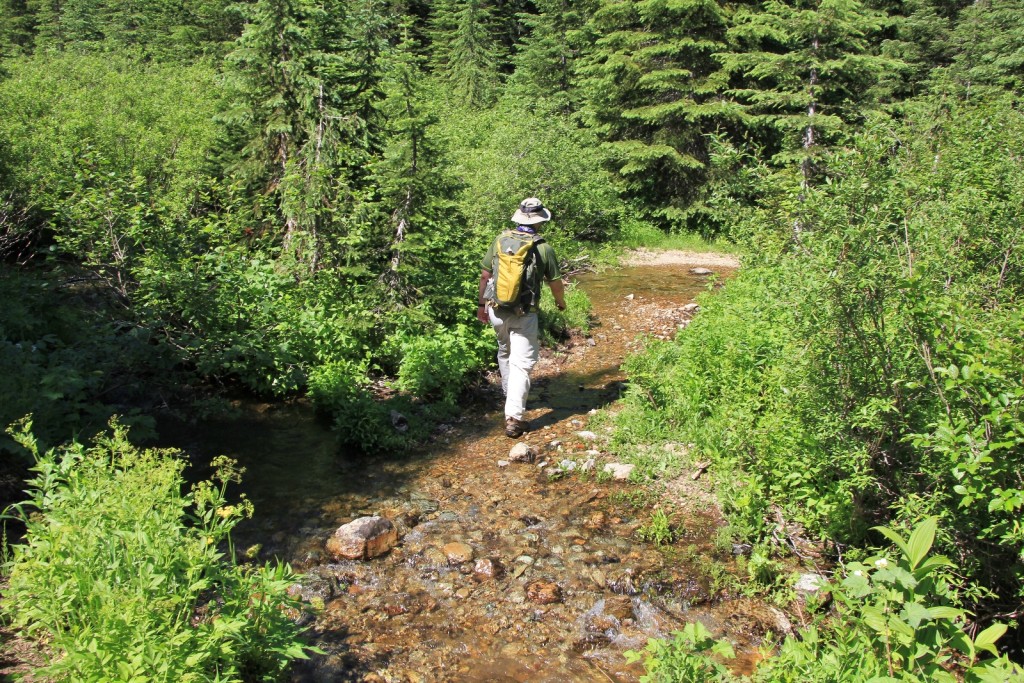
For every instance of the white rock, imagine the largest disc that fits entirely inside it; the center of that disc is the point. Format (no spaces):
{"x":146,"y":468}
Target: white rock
{"x":810,"y":583}
{"x":586,"y":435}
{"x":521,"y":452}
{"x":503,"y":463}
{"x":691,"y":308}
{"x":619,"y":471}
{"x":587,"y":465}
{"x":701,"y":271}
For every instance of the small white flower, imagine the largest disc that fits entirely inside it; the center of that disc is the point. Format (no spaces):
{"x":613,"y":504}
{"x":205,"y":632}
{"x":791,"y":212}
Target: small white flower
{"x":881,"y":563}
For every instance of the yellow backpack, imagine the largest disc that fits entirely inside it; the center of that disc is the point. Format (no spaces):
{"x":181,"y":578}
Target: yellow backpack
{"x":514,"y":274}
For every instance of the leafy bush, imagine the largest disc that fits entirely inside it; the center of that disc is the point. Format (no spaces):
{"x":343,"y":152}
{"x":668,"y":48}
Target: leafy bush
{"x":895,"y":622}
{"x":438,"y":364}
{"x":513,"y":151}
{"x":123,"y":576}
{"x":864,"y":366}
{"x":556,"y":325}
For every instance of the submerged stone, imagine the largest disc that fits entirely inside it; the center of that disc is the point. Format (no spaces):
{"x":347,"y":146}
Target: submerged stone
{"x":544,"y":592}
{"x":457,"y":552}
{"x":487,"y":568}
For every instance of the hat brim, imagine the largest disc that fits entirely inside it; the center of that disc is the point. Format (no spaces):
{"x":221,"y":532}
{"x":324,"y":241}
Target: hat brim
{"x":531,"y":218}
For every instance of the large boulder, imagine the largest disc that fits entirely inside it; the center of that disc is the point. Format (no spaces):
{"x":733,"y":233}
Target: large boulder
{"x":363,"y":539}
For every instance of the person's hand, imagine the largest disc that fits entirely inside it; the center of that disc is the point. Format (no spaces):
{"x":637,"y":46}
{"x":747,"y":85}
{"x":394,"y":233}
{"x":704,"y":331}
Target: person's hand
{"x":481,"y":314}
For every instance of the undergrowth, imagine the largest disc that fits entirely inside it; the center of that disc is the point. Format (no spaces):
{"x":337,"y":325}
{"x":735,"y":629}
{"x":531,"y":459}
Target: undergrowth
{"x":126,"y":578}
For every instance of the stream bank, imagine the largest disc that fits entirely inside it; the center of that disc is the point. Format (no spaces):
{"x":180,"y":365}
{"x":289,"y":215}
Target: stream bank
{"x":503,"y":571}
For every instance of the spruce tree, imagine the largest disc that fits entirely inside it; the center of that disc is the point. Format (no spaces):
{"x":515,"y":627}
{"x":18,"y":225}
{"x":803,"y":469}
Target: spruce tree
{"x":546,"y":61}
{"x":653,"y":89}
{"x":988,"y":44}
{"x":806,"y":70}
{"x":415,"y":198}
{"x":17,"y":28}
{"x":305,"y":77}
{"x":466,"y":53}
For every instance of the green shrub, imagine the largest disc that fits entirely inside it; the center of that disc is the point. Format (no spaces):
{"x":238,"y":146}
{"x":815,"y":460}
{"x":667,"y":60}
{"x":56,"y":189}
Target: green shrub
{"x":437,"y":365}
{"x":865,"y":368}
{"x":895,"y":622}
{"x":123,"y":575}
{"x":556,"y":325}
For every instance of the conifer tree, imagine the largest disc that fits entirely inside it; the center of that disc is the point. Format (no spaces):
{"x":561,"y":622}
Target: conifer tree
{"x":17,"y":27}
{"x":988,"y":44}
{"x":806,"y":70}
{"x":416,"y":193}
{"x":466,"y":53}
{"x":653,"y":92}
{"x":305,"y":77}
{"x":918,"y":36}
{"x":546,"y":61}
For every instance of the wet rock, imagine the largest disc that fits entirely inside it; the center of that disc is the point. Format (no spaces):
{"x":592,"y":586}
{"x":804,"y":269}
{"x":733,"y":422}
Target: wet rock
{"x":521,"y":452}
{"x":434,"y":557}
{"x":623,"y":584}
{"x":363,"y":538}
{"x":406,"y":522}
{"x":701,"y":271}
{"x":607,"y":615}
{"x":543,"y":592}
{"x":596,"y":520}
{"x":457,"y":552}
{"x":619,"y":471}
{"x":488,"y":569}
{"x":586,"y":435}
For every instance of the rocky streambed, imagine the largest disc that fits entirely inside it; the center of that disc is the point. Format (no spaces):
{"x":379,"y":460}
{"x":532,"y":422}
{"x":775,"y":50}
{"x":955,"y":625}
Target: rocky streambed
{"x":494,"y":565}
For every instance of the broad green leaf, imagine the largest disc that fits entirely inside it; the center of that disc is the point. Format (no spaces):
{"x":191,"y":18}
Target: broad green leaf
{"x":894,"y":537}
{"x":914,"y":613}
{"x":943,"y":612}
{"x":986,"y":640}
{"x":921,"y":540}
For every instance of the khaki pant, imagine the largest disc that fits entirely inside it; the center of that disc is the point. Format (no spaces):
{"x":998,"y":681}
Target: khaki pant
{"x":518,"y":351}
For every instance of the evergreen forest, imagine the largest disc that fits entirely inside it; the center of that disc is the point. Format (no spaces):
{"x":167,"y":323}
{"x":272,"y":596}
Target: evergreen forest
{"x":291,"y":198}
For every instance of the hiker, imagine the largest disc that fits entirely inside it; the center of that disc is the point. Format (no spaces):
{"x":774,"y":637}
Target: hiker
{"x":516,"y":321}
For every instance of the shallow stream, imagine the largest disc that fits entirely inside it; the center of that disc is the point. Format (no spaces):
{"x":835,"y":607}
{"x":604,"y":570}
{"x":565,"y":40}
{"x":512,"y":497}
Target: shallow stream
{"x":571,"y":588}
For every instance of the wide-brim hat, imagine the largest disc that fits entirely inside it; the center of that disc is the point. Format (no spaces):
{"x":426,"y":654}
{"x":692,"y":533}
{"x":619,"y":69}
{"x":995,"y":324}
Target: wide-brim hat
{"x":531,"y":211}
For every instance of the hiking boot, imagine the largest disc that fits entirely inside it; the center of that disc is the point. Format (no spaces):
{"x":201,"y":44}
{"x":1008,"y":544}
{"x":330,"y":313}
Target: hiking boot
{"x":514,"y":428}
